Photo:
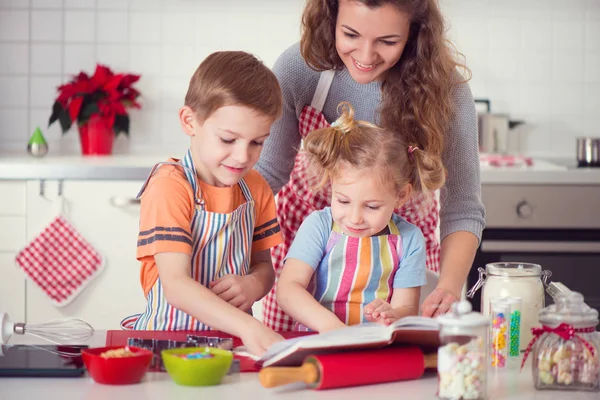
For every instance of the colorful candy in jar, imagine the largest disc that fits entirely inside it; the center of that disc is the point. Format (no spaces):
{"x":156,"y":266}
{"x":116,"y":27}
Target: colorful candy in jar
{"x":514,"y":335}
{"x":566,"y":351}
{"x":499,"y":332}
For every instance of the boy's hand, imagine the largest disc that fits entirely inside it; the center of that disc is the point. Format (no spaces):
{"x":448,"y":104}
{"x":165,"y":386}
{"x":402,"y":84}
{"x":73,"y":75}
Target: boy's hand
{"x":258,"y":340}
{"x":239,"y":291}
{"x":380,"y":311}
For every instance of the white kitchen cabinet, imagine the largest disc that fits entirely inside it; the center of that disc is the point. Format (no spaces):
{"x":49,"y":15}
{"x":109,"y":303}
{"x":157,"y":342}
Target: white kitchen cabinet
{"x":12,"y":238}
{"x":106,"y":215}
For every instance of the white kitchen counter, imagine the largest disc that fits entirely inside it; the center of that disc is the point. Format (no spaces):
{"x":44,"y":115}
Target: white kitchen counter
{"x":507,"y":383}
{"x":136,"y":167}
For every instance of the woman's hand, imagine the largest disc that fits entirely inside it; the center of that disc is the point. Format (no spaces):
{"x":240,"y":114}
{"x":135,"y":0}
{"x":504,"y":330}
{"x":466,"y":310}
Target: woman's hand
{"x":438,"y":302}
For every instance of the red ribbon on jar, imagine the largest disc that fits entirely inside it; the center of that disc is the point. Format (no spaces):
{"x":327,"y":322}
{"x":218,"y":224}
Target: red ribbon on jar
{"x":565,"y":331}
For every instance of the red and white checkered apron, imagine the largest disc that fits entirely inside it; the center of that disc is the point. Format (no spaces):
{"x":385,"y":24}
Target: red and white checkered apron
{"x":297,"y":200}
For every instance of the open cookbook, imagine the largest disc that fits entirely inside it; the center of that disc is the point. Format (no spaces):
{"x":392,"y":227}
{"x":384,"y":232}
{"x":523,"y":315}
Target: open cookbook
{"x":412,"y":330}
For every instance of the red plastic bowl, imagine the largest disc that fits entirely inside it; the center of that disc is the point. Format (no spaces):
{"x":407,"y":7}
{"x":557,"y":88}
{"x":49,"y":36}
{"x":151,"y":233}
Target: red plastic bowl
{"x":117,"y":371}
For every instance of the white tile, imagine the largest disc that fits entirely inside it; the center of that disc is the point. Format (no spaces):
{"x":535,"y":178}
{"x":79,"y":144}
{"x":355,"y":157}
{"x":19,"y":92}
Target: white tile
{"x":471,"y":33}
{"x":145,"y":27}
{"x":573,"y":10}
{"x":536,"y":66}
{"x":39,"y":117}
{"x":145,"y":59}
{"x":468,"y":8}
{"x":145,"y":130}
{"x":46,"y":25}
{"x":592,"y":67}
{"x":535,"y":98}
{"x":80,"y":4}
{"x":113,"y":4}
{"x":565,"y":130}
{"x":14,"y":126}
{"x":113,"y":27}
{"x":14,"y":25}
{"x":537,"y":35}
{"x":114,"y":55}
{"x":14,"y":4}
{"x":80,"y":26}
{"x":44,"y":91}
{"x":179,"y":61}
{"x":591,"y":100}
{"x":536,"y":135}
{"x":504,"y":65}
{"x":14,"y":91}
{"x":150,"y":88}
{"x":567,"y":99}
{"x":591,"y":126}
{"x":592,"y":35}
{"x":505,"y":97}
{"x":593,"y":10}
{"x":173,"y":93}
{"x":568,"y":35}
{"x":518,"y":8}
{"x":178,"y":28}
{"x":79,"y":57}
{"x":145,"y":5}
{"x":192,"y":6}
{"x":46,"y":59}
{"x":568,"y":67}
{"x":46,"y":3}
{"x":14,"y":59}
{"x":173,"y":138}
{"x":505,"y":34}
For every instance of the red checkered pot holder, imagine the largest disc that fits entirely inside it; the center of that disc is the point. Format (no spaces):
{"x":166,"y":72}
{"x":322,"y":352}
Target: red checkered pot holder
{"x":60,"y":262}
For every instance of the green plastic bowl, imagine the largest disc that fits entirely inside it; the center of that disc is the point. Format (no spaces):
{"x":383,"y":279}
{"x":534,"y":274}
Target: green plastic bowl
{"x":197,"y":371}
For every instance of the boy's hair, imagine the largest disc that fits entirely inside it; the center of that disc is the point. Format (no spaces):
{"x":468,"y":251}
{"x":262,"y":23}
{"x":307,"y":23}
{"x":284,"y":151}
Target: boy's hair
{"x":228,"y":78}
{"x":417,"y":97}
{"x":363,"y":145}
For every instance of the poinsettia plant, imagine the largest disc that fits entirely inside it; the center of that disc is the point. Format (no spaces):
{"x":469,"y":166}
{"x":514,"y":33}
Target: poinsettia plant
{"x":105,"y":94}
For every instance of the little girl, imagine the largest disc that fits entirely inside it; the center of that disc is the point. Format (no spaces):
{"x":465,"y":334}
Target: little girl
{"x":357,"y":261}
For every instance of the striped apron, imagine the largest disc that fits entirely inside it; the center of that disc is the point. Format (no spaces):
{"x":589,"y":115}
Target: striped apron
{"x":355,"y":271}
{"x":221,"y":246}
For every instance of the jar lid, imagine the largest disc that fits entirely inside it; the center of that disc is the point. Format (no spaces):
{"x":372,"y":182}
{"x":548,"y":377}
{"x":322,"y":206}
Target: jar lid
{"x":460,"y":315}
{"x":513,"y":269}
{"x":570,"y":309}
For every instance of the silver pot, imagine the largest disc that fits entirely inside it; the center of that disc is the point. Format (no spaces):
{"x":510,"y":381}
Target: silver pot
{"x":496,"y":131}
{"x":588,"y":152}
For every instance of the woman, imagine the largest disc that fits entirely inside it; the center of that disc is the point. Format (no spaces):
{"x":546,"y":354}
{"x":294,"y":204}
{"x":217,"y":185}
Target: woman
{"x":390,"y":60}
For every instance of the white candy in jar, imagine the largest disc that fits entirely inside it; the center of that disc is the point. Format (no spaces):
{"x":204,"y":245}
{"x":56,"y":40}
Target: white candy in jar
{"x":462,"y":356}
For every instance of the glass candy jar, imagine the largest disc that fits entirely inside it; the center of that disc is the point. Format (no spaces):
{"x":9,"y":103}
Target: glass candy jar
{"x":565,"y":354}
{"x":462,"y":355}
{"x":514,"y":279}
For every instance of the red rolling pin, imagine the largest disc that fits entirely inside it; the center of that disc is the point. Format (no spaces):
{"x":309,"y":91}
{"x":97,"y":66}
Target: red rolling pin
{"x":365,"y":367}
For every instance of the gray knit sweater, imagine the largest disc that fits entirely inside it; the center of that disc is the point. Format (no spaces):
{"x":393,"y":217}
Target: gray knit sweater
{"x":461,"y":208}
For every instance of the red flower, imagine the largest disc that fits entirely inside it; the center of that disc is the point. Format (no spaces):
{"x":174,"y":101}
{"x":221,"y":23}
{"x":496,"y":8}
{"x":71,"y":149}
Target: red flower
{"x":105,"y":94}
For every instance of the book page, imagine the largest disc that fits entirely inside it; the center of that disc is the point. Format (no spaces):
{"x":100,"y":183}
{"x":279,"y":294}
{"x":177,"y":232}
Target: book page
{"x":416,"y":322}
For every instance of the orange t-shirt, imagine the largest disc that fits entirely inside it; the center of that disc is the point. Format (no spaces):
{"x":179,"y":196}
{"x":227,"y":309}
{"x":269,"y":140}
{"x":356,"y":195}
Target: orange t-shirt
{"x":167,"y":209}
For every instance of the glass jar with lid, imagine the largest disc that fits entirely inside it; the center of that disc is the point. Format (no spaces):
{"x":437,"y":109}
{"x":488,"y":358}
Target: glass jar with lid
{"x":565,"y":355}
{"x":514,"y":279}
{"x":462,"y":355}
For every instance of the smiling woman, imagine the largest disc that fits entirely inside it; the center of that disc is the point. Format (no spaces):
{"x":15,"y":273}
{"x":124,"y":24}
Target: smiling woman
{"x":391,"y":61}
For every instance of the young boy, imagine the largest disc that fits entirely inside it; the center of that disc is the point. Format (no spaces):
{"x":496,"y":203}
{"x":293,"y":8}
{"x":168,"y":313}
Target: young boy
{"x":208,"y":220}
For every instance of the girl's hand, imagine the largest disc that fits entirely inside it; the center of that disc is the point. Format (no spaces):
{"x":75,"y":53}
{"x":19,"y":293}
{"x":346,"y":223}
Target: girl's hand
{"x":259,"y":339}
{"x":239,"y":291}
{"x":380,"y":311}
{"x":438,"y":302}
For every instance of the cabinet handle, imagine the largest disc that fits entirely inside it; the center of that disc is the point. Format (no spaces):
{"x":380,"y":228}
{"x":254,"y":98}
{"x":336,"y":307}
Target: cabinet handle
{"x":122,"y":201}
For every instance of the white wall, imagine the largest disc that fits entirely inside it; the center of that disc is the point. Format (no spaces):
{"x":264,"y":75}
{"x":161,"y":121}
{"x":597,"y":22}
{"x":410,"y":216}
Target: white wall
{"x":536,"y":59}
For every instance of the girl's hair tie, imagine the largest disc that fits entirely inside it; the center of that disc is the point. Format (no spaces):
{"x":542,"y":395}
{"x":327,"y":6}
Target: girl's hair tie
{"x":411,"y":150}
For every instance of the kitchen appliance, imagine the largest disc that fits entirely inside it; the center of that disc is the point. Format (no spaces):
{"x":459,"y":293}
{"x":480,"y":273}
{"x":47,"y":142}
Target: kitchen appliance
{"x":60,"y":331}
{"x":588,"y":152}
{"x":497,"y":132}
{"x":555,"y":226}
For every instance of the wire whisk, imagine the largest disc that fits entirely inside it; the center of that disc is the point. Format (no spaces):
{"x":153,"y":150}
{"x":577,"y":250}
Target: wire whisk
{"x":60,"y":331}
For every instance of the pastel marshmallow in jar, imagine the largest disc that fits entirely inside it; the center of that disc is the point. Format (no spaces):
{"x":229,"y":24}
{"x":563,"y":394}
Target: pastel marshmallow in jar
{"x":462,"y":356}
